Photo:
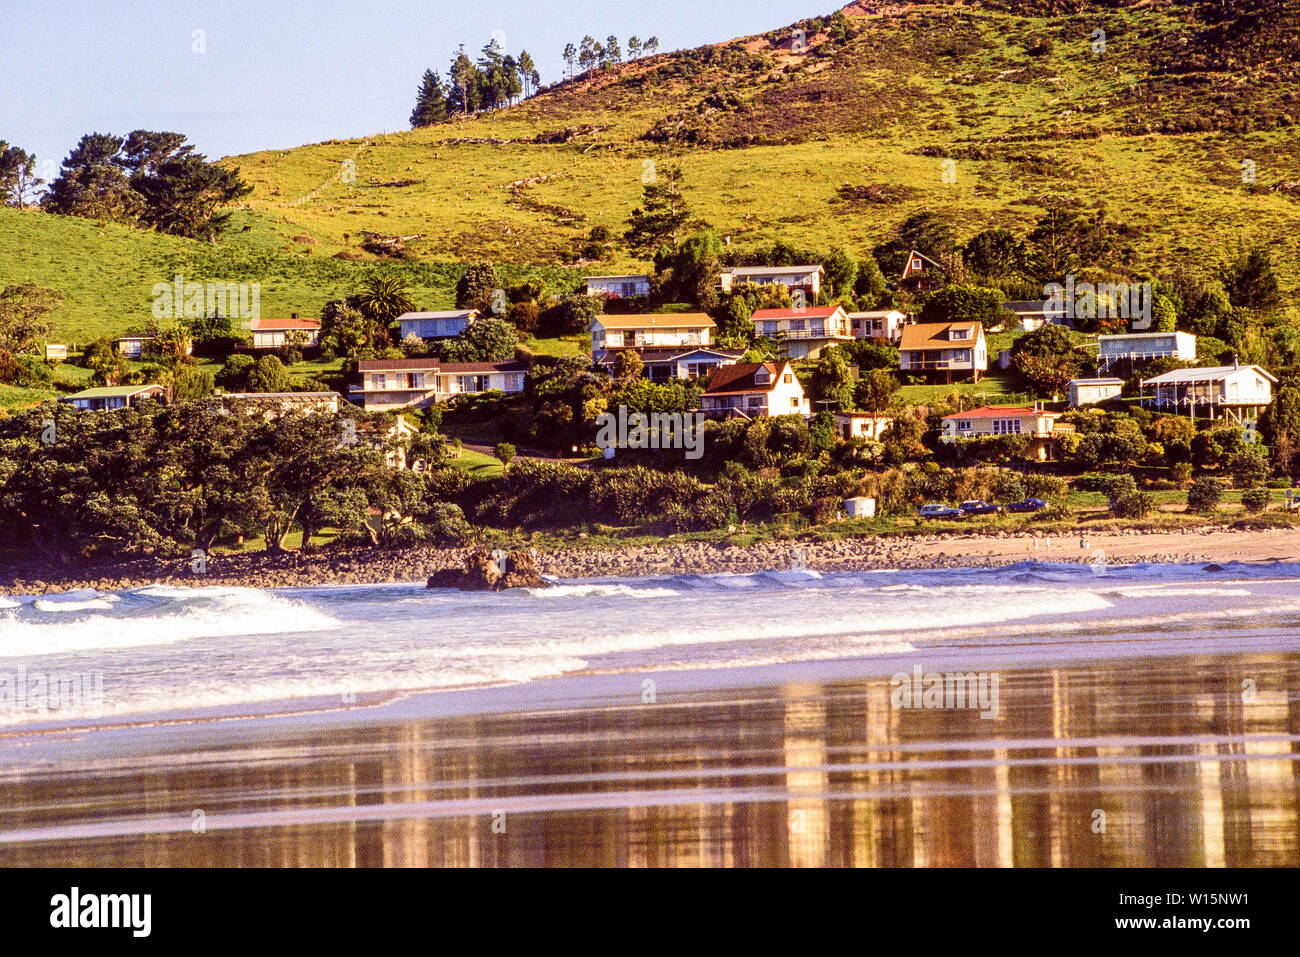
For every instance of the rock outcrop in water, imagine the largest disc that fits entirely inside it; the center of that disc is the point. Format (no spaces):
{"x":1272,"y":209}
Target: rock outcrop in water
{"x":483,"y":572}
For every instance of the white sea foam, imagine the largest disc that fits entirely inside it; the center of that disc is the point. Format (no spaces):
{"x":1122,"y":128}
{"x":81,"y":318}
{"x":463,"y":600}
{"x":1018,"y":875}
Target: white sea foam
{"x":600,"y":591}
{"x":95,"y":604}
{"x":188,"y":614}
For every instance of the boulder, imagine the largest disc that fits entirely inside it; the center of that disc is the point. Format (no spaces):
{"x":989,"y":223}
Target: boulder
{"x":482,"y":573}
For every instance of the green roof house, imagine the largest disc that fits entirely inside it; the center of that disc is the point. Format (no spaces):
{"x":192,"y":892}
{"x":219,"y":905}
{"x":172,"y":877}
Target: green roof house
{"x":113,"y":397}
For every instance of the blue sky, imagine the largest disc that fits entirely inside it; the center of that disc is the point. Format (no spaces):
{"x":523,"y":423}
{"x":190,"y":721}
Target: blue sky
{"x":280,"y":73}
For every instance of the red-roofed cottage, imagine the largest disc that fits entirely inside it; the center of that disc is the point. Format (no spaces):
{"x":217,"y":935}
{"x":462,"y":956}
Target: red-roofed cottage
{"x":992,"y":420}
{"x":806,"y":331}
{"x":274,"y":333}
{"x":754,"y":389}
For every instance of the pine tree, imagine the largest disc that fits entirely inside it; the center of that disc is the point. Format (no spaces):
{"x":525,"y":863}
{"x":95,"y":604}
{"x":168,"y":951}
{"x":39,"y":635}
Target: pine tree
{"x":633,"y":47}
{"x":527,"y":70}
{"x":612,"y":52}
{"x":430,"y":102}
{"x":570,"y":57}
{"x":663,"y":212}
{"x":651,"y":46}
{"x":464,"y":82}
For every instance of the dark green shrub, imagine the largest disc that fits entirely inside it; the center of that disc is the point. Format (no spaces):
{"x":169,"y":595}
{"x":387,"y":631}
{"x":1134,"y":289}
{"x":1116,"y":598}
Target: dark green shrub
{"x":1204,"y":496}
{"x":1255,"y":499}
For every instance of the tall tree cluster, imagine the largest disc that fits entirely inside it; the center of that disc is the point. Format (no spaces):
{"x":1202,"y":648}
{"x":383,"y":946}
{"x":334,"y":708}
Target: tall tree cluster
{"x":591,"y":54}
{"x":149,"y":179}
{"x":494,"y":80}
{"x":19,"y":183}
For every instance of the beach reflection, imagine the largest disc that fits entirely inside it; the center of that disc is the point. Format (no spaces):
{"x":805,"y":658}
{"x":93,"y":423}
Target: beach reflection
{"x":1154,"y":763}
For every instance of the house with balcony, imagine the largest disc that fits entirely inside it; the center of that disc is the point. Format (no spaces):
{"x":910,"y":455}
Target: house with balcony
{"x":1039,"y":427}
{"x":109,"y":398}
{"x":804,"y":332}
{"x":278,"y":333}
{"x":944,"y":351}
{"x":755,"y":389}
{"x":618,"y":287}
{"x":1236,"y":392}
{"x":418,"y":383}
{"x":804,"y":279}
{"x":446,"y":324}
{"x":674,"y":330}
{"x":883,"y":324}
{"x":674,"y":363}
{"x":1123,"y":351}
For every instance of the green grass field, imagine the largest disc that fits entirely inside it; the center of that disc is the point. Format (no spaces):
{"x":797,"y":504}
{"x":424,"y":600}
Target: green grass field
{"x":883,"y":107}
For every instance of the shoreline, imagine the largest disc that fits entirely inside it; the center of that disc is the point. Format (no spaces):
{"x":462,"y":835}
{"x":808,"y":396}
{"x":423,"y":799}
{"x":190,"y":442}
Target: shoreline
{"x":372,"y":566}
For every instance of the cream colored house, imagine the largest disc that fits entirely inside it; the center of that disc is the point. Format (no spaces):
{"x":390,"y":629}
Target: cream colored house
{"x":56,"y":352}
{"x":804,"y":332}
{"x":275,"y":333}
{"x":1234,"y":392}
{"x":805,"y":279}
{"x":995,"y":420}
{"x":754,"y":389}
{"x":862,"y":425}
{"x":877,"y":324}
{"x":418,"y":383}
{"x":1094,"y":391}
{"x":108,"y":398}
{"x":944,"y":351}
{"x":649,"y":330}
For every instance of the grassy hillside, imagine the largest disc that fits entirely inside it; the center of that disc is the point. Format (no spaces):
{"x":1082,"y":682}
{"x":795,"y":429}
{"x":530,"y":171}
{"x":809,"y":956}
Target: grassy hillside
{"x":775,"y":143}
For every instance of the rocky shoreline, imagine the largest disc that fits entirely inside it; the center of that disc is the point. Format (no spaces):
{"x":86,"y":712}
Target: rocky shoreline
{"x":376,"y":566}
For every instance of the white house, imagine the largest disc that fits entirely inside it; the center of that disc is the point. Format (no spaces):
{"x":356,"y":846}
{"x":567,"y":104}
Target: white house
{"x":446,"y":324}
{"x":1039,"y":426}
{"x":753,"y":389}
{"x":805,"y":279}
{"x":1236,"y":392}
{"x":674,"y":363}
{"x":1132,"y":347}
{"x":403,"y":383}
{"x":275,"y":333}
{"x":878,"y":324}
{"x":944,"y":350}
{"x":806,"y":331}
{"x":650,"y":330}
{"x":1094,"y":391}
{"x":862,"y":425}
{"x":108,"y":398}
{"x":618,"y":287}
{"x":1033,"y":315}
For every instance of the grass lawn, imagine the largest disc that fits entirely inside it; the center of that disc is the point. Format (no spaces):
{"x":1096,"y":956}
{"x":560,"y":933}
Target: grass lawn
{"x":574,"y":345}
{"x":987,"y":389}
{"x":478,"y":465}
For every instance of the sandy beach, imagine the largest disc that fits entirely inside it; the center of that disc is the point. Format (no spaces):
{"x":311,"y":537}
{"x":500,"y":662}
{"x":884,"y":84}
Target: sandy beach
{"x":1208,"y":543}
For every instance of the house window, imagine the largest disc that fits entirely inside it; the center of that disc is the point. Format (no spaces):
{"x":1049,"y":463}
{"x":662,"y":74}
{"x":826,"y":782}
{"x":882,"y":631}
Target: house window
{"x":796,"y":325}
{"x":963,"y":425}
{"x":794,"y":402}
{"x":473,"y":383}
{"x":1006,"y":426}
{"x":787,"y":378}
{"x":961,"y":333}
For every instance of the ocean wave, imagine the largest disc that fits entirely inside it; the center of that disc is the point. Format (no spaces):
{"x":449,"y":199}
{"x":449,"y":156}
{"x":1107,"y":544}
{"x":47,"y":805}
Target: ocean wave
{"x":600,"y":591}
{"x":159,"y":615}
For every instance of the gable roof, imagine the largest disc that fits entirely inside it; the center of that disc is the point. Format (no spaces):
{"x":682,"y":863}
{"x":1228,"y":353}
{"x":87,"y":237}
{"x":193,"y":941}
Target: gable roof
{"x":912,"y":255}
{"x":113,"y":391}
{"x":1207,"y":374}
{"x":739,"y":378}
{"x":631,"y":275}
{"x":934,"y":335}
{"x":997,"y":412}
{"x":807,"y":312}
{"x":655,"y":320}
{"x":1114,"y":336}
{"x":669,"y":353}
{"x":282,"y":325}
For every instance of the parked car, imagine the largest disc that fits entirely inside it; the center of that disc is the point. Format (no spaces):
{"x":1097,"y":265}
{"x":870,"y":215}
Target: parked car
{"x":1027,"y":505}
{"x":939,"y":511}
{"x":977,"y":507}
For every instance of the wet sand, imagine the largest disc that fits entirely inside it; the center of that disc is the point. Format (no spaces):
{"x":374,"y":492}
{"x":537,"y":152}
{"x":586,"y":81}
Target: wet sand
{"x":808,"y":772}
